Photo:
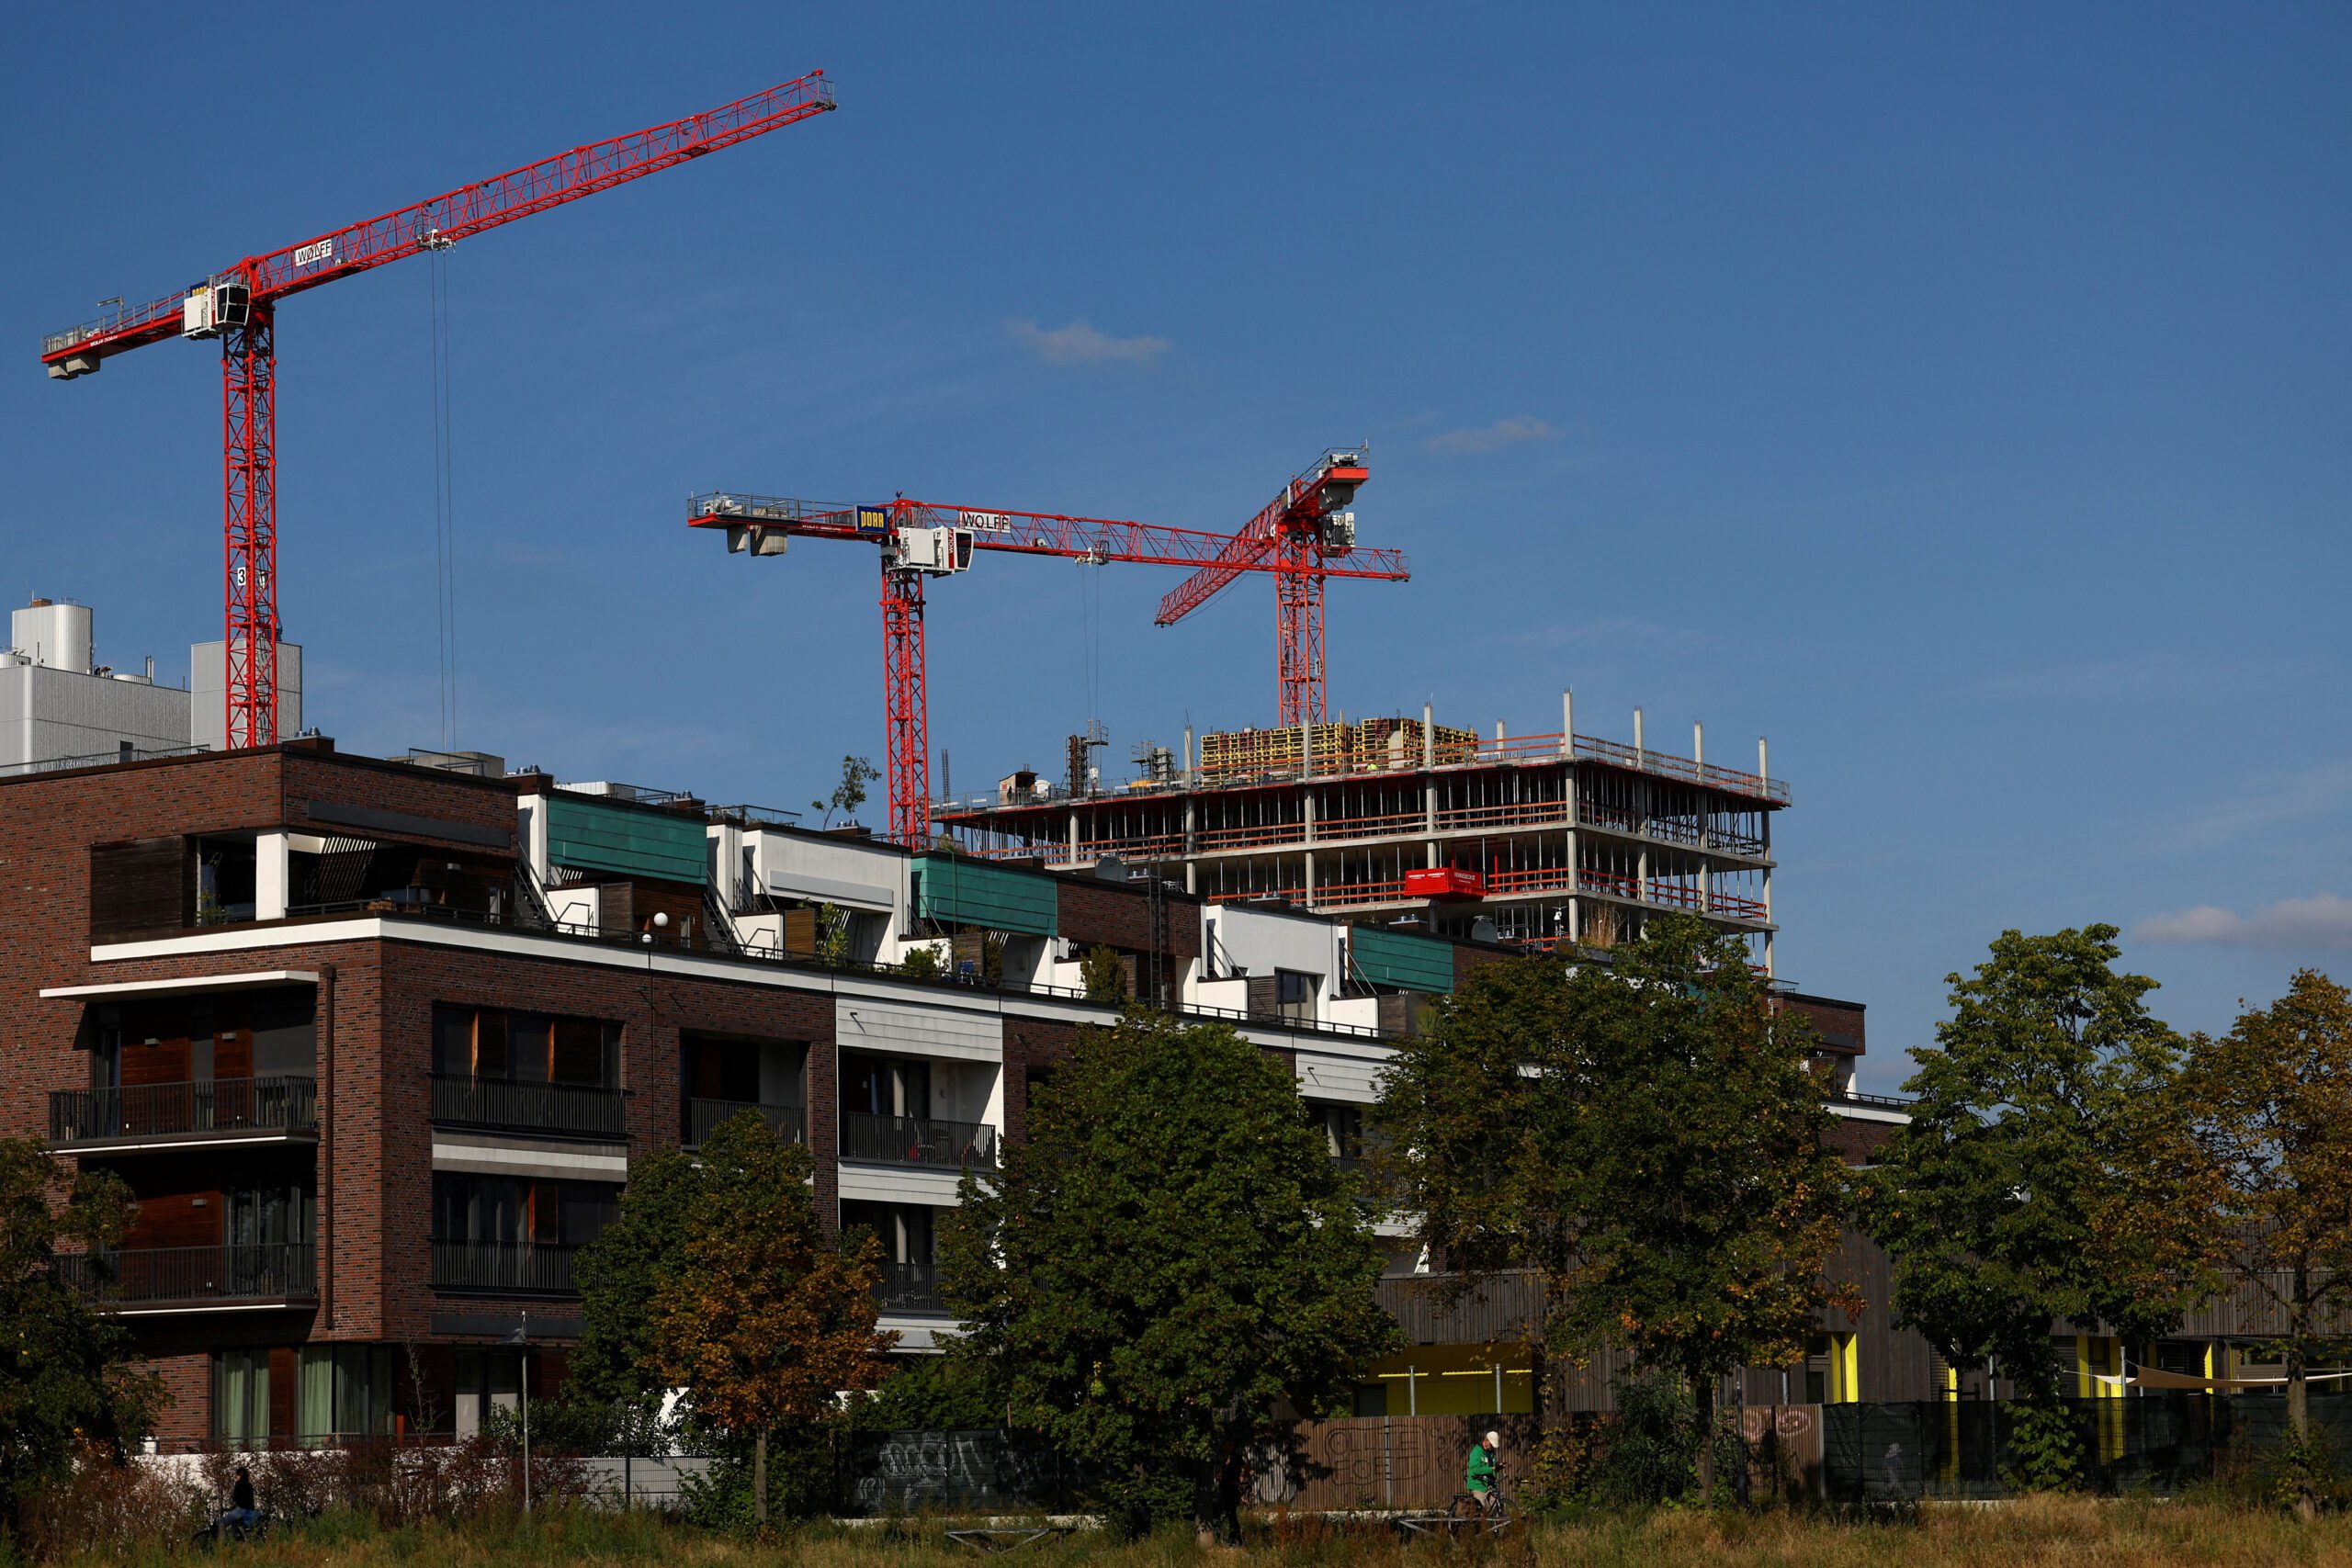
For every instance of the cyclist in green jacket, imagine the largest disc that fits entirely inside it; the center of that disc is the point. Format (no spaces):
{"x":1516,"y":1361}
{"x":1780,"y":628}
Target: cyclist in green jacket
{"x":1479,"y":1477}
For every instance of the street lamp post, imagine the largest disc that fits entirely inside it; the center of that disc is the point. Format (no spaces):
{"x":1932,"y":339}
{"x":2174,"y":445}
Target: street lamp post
{"x":521,"y":1336}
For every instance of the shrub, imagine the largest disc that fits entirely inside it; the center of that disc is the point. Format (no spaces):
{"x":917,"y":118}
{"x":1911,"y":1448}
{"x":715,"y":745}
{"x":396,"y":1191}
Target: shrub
{"x":106,"y":1506}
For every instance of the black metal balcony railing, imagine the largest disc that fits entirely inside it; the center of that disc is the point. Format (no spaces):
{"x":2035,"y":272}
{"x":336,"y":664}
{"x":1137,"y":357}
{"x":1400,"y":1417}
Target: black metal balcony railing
{"x":196,"y":1275}
{"x":528,"y":1107}
{"x":909,"y":1287}
{"x":500,"y":1268}
{"x":916,"y":1140}
{"x":789,"y":1122}
{"x":205,"y":1107}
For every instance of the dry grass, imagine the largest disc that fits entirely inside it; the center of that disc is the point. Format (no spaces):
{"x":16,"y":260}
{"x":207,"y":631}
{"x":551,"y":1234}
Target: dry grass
{"x":2079,"y":1533}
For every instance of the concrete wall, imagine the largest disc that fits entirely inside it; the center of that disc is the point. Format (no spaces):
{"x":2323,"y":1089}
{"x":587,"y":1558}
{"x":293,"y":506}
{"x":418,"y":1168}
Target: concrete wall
{"x":207,"y":693}
{"x":48,"y":713}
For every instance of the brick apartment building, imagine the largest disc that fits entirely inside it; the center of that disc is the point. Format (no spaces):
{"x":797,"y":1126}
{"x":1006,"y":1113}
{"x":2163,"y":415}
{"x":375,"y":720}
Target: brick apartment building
{"x":374,"y":1042}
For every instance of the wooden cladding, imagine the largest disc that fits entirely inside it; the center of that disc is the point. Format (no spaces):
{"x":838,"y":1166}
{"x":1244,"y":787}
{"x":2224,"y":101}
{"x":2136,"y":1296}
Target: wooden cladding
{"x":140,"y":885}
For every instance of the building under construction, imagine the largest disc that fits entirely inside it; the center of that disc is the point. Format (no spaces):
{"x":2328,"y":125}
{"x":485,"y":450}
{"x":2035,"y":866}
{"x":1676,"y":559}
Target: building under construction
{"x":1550,"y":838}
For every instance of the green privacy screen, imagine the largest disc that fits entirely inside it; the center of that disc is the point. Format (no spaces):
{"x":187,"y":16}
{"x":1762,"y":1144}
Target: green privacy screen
{"x":590,"y":835}
{"x":1400,"y":959}
{"x":973,"y":893}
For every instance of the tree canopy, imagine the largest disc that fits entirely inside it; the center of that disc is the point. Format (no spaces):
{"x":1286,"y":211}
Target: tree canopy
{"x":1648,"y":1135}
{"x":2036,"y":1179}
{"x":613,"y":1384}
{"x":67,"y":1384}
{"x":763,"y":1317}
{"x":2270,"y":1105}
{"x":1168,"y":1259}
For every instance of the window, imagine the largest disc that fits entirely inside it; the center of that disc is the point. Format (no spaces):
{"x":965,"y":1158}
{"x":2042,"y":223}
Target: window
{"x":241,"y":1398}
{"x":525,"y":1047}
{"x":267,"y":1216}
{"x":489,"y":1383}
{"x":515,"y":1211}
{"x":880,"y":1086}
{"x":904,"y":1229}
{"x":1342,"y":1128}
{"x":343,"y":1390}
{"x":1295,"y":995}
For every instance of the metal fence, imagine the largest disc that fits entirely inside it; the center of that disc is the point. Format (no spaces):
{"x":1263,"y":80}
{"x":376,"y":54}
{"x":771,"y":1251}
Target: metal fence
{"x":504,"y":1267}
{"x":527,"y":1107}
{"x":916,"y":1140}
{"x":171,"y":1109}
{"x":253,"y":1271}
{"x":1957,"y":1449}
{"x":983,"y":1471}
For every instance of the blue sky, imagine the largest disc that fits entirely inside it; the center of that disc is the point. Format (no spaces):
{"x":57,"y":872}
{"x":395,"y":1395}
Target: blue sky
{"x":1956,"y":394}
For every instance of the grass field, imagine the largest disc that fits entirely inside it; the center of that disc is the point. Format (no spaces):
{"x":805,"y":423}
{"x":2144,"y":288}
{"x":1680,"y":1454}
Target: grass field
{"x":2079,"y":1533}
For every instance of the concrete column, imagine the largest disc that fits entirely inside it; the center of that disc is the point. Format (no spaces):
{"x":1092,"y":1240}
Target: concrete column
{"x":1768,"y":882}
{"x":273,"y":873}
{"x":1192,"y":825}
{"x":1073,"y":837}
{"x":1429,"y":783}
{"x":1568,"y":722}
{"x":1188,"y":754}
{"x":1306,"y":804}
{"x":1763,"y":759}
{"x":1310,"y":878}
{"x":1637,"y":737}
{"x":1699,"y":746}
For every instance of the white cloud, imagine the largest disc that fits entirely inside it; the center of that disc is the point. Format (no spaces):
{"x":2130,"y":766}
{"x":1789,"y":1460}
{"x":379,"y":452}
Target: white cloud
{"x":1502,"y":432}
{"x":2324,"y":919}
{"x":1080,"y":343}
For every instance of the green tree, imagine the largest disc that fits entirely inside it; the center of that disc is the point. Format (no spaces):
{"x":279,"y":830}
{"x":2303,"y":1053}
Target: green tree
{"x":833,"y":935}
{"x":2031,"y":1181}
{"x":850,"y":793}
{"x":764,"y":1318}
{"x":614,"y":1385}
{"x":1104,"y":977}
{"x":67,"y":1386}
{"x":2270,"y":1104}
{"x":1649,"y":1136}
{"x":1169,"y":1258}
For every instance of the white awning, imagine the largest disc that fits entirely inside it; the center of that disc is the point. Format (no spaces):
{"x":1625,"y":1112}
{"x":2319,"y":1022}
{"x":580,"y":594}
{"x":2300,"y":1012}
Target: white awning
{"x":250,"y":981}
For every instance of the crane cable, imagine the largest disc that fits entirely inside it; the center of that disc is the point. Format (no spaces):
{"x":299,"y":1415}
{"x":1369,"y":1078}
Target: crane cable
{"x":445,"y":538}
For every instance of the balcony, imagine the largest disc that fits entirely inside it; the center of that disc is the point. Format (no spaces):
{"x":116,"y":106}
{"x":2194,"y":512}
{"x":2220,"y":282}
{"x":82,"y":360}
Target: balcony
{"x":502,"y":1268}
{"x":234,"y":1111}
{"x":559,"y":1109}
{"x":789,"y":1123}
{"x":162,"y":1279}
{"x":916,"y":1140}
{"x":910,"y":1289}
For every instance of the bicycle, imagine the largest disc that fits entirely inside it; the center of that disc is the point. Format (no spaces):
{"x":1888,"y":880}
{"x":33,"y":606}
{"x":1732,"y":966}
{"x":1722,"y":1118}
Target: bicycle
{"x":209,"y":1534}
{"x":1494,"y":1517}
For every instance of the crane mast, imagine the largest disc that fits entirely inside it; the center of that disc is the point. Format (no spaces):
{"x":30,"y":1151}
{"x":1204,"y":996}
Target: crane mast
{"x":239,"y":306}
{"x":1302,"y":531}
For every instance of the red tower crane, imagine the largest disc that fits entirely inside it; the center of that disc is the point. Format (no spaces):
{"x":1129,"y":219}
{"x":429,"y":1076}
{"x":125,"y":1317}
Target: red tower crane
{"x":1296,"y":536}
{"x":921,"y":538}
{"x":239,"y":306}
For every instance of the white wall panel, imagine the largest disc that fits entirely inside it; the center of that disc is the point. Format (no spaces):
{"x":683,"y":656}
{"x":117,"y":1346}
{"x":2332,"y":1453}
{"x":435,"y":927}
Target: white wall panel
{"x":861,"y":1023}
